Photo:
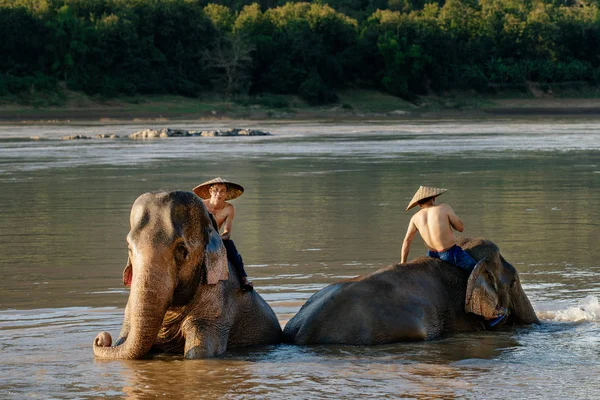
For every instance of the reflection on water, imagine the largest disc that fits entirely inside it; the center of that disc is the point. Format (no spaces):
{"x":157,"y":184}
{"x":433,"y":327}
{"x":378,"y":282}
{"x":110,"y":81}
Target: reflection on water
{"x":322,"y":203}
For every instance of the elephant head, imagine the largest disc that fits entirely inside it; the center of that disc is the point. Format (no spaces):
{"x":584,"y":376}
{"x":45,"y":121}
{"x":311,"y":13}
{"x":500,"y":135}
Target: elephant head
{"x":494,"y":285}
{"x":174,"y":251}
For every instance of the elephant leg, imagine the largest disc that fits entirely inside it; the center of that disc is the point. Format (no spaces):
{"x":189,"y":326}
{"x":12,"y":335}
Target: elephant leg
{"x":204,"y":341}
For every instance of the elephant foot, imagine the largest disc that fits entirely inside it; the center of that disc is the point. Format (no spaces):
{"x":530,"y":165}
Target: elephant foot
{"x":246,"y":285}
{"x":103,"y":340}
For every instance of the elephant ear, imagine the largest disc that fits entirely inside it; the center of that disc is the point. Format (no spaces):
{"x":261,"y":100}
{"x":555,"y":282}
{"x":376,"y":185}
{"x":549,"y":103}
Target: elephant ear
{"x":128,"y":273}
{"x":482,"y":291}
{"x":215,"y":258}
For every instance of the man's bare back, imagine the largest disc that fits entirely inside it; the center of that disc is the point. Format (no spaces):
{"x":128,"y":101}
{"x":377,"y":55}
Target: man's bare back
{"x":435,"y":225}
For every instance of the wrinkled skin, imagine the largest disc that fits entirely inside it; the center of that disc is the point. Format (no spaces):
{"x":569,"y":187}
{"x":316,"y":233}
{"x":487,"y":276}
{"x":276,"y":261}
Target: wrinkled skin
{"x":184,"y":298}
{"x":419,"y":300}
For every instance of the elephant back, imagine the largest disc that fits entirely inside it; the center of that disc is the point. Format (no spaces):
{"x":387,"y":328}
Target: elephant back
{"x":255,"y":321}
{"x":382,"y":307}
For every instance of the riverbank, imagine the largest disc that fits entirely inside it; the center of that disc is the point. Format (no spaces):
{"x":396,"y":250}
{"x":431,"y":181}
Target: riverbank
{"x":352,"y":105}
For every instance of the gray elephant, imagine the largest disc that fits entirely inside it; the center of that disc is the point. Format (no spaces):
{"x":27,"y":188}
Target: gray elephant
{"x":419,"y":300}
{"x":184,"y":298}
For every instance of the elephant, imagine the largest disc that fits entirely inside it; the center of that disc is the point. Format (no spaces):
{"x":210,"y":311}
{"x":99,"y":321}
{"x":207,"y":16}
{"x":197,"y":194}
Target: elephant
{"x":419,"y":300}
{"x":185,"y":297}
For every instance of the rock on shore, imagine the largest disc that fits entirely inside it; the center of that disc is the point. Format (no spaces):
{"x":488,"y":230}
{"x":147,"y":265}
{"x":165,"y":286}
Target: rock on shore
{"x":75,"y":137}
{"x":98,"y":136}
{"x":168,"y":132}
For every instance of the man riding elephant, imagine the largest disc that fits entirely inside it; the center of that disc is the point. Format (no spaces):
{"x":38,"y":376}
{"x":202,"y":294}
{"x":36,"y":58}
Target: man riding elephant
{"x":419,"y":300}
{"x":435,"y":223}
{"x":215,"y":194}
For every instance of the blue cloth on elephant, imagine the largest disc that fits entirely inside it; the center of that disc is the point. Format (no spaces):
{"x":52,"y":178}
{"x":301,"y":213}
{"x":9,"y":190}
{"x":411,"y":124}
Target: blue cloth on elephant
{"x":455,"y":255}
{"x":502,"y":313}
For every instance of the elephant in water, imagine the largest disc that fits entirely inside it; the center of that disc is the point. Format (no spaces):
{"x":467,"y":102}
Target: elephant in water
{"x":419,"y":300}
{"x":184,"y":298}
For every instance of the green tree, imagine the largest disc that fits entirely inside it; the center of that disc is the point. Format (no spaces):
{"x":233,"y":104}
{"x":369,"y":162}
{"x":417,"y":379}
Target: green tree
{"x":68,"y":46}
{"x":404,"y":66}
{"x":221,"y":17}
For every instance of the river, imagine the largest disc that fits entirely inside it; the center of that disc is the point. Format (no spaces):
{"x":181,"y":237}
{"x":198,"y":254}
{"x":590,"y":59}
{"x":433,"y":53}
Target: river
{"x":323,"y":202}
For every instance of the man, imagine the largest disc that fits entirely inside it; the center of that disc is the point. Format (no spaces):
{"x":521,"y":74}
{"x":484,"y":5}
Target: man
{"x":435,"y":223}
{"x":215,"y":194}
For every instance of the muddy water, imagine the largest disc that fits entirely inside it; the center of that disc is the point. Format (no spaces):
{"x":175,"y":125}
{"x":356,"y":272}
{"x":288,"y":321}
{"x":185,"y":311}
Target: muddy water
{"x":322,"y":202}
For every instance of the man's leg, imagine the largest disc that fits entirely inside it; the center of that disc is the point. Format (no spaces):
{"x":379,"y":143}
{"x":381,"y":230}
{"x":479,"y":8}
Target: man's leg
{"x":433,"y":254}
{"x":235,"y":259}
{"x":444,"y":256}
{"x":455,"y":256}
{"x":463,"y":259}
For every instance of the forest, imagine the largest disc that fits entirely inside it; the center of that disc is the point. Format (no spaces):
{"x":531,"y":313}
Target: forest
{"x":406,"y":48}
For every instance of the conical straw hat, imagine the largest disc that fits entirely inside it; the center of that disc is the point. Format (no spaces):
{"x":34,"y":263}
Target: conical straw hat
{"x":234,"y":190}
{"x":423,"y":193}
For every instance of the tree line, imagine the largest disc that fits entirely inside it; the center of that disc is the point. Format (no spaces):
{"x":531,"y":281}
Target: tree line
{"x":234,"y":47}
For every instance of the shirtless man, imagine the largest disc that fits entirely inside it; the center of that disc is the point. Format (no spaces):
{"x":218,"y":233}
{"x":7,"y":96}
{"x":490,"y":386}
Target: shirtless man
{"x":435,"y":224}
{"x":214,"y":194}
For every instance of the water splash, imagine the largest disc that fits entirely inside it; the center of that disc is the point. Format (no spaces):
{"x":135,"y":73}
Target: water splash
{"x":587,"y":309}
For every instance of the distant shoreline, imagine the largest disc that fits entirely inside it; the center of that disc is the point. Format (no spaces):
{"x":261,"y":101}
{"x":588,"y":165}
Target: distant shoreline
{"x":353,"y":106}
{"x":111,"y":118}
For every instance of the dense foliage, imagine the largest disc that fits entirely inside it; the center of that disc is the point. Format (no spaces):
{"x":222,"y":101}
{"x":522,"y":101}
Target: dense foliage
{"x":186,"y":47}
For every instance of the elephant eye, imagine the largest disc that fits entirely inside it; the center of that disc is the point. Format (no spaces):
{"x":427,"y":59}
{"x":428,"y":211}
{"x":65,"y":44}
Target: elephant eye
{"x":513,"y":283}
{"x":181,"y":253}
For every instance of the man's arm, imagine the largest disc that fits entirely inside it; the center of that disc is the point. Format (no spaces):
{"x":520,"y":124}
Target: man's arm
{"x":455,"y":222}
{"x":228,"y":223}
{"x":410,"y":235}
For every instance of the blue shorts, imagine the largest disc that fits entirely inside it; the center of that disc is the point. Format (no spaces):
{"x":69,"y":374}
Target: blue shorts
{"x":455,"y":255}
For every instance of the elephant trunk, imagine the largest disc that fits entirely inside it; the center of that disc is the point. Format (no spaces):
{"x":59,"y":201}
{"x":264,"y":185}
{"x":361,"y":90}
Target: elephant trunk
{"x":148,"y":303}
{"x":523,"y":310}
